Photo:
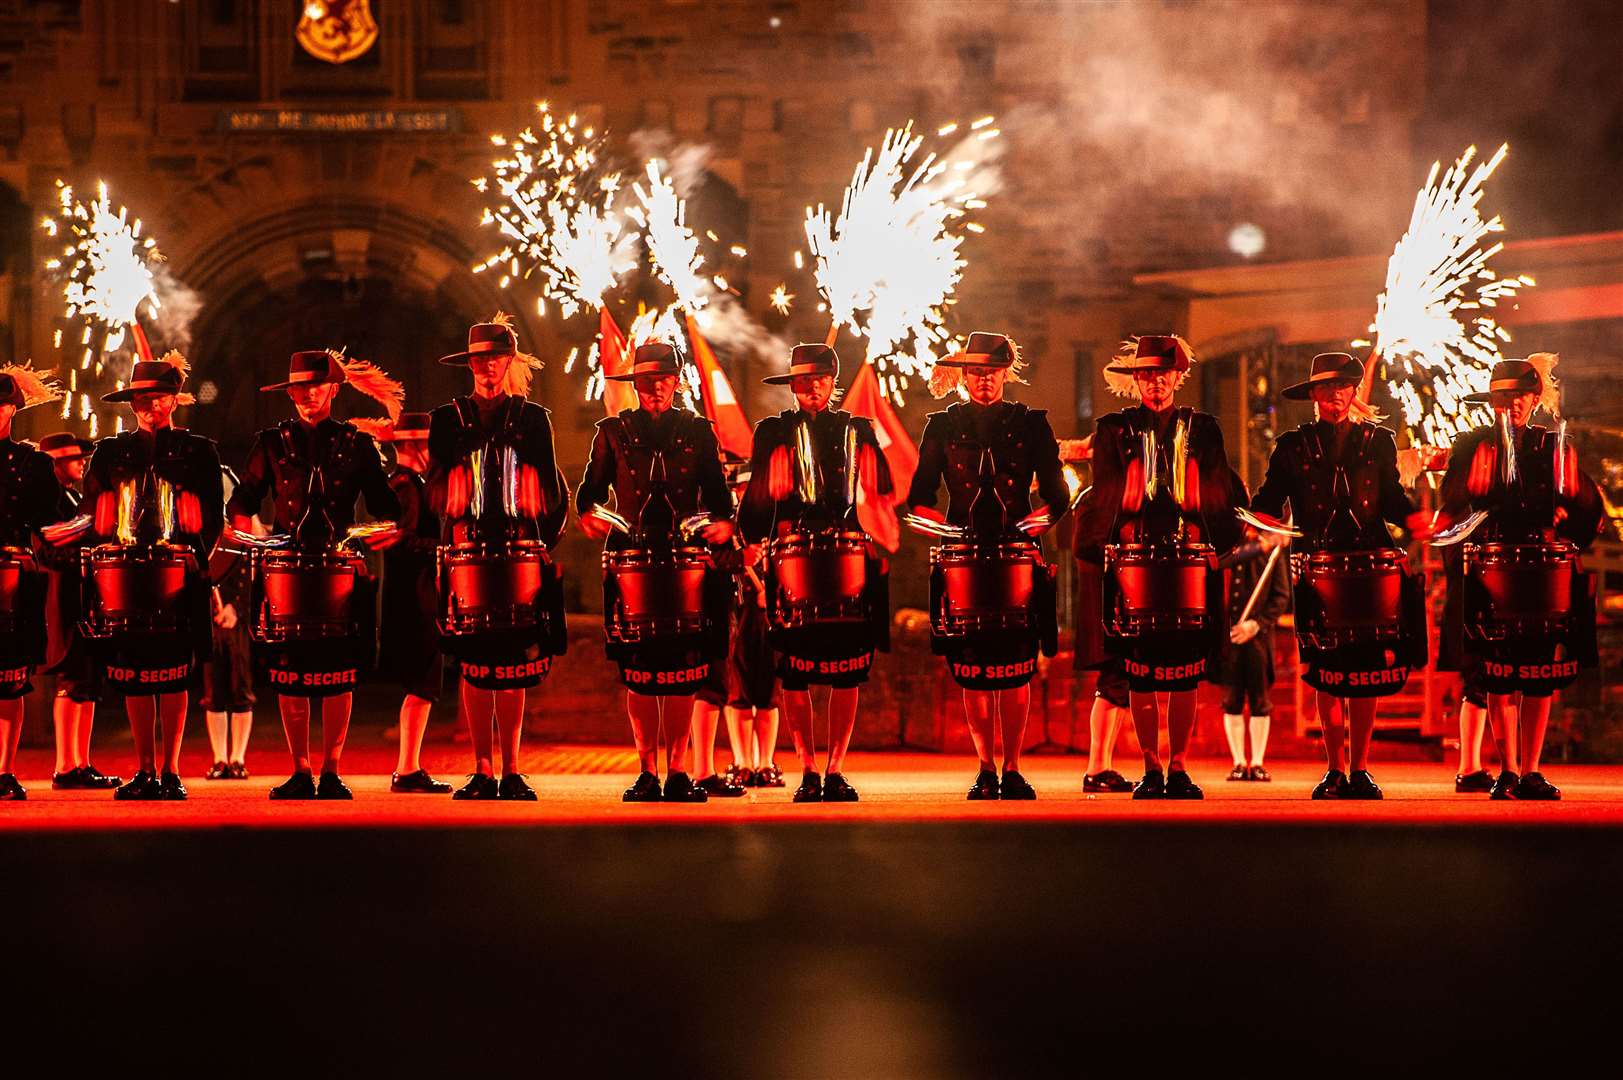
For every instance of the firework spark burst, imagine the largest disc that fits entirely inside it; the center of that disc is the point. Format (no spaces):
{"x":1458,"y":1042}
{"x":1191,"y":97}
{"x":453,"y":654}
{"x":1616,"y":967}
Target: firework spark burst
{"x":888,"y":265}
{"x":673,"y":249}
{"x":1434,"y":323}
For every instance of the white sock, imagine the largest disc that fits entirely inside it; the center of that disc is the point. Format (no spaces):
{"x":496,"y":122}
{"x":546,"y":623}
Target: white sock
{"x":1259,"y":738}
{"x":1234,"y":728}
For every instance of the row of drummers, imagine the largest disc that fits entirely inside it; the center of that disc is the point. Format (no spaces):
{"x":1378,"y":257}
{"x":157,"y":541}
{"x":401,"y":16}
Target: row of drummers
{"x":468,"y":538}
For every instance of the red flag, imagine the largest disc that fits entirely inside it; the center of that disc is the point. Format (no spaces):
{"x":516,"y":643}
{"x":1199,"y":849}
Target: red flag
{"x":877,"y":514}
{"x":613,"y":353}
{"x":720,"y":404}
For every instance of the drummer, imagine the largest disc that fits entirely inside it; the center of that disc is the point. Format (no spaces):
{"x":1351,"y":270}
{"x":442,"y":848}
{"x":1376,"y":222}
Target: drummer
{"x":409,"y":642}
{"x":663,"y":465}
{"x":1520,"y":672}
{"x":155,"y":672}
{"x":28,"y":501}
{"x":776,"y":504}
{"x":315,"y":467}
{"x":1138,"y":503}
{"x":989,"y":451}
{"x":496,"y":420}
{"x":70,"y":657}
{"x":1339,"y":474}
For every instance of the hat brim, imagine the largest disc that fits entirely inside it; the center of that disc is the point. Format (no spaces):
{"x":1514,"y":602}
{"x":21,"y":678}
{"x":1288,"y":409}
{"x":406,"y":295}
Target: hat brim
{"x":460,"y":359}
{"x":302,"y":382}
{"x":1303,"y":391}
{"x":1120,"y":369}
{"x":649,"y":374}
{"x":969,"y":360}
{"x":1481,"y":397}
{"x":127,"y":395}
{"x":785,"y":380}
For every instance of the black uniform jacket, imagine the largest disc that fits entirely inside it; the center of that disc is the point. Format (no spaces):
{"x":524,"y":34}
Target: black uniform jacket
{"x":189,"y":462}
{"x":760,"y":513}
{"x":465,"y":424}
{"x":28,"y":492}
{"x":283,"y":463}
{"x":647,"y":461}
{"x":1021,"y":445}
{"x":1118,"y":442}
{"x":1324,"y":469}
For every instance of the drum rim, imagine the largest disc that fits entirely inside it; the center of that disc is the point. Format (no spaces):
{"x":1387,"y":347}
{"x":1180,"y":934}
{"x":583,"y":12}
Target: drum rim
{"x":1396,"y":558}
{"x":627,"y":555}
{"x":822,"y":536}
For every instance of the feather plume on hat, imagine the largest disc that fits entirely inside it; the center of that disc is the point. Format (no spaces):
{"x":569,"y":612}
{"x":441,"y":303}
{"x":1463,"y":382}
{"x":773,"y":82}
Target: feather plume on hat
{"x":177,"y":360}
{"x":372,"y":381}
{"x":380,"y":429}
{"x":944,"y":379}
{"x":523,"y":367}
{"x":1550,"y":395}
{"x":38,"y":387}
{"x":1123,"y":384}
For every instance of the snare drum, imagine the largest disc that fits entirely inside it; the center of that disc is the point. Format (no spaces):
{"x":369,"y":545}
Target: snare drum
{"x":14,"y":564}
{"x":1158,"y":587}
{"x":133,"y":590}
{"x":1359,"y":596}
{"x":1522,"y":589}
{"x":984,"y":588}
{"x":818,"y":579}
{"x":304,"y":595}
{"x":654,"y":594}
{"x":489,"y":587}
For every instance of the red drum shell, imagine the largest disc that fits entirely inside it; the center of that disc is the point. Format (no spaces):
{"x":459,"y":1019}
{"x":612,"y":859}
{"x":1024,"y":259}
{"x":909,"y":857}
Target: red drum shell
{"x":1359,"y":590}
{"x":1161,"y":587}
{"x":660,"y":593}
{"x":134,"y":590}
{"x":487,"y":587}
{"x":13,"y":564}
{"x":985,"y":587}
{"x":305,"y":595}
{"x":821,"y":578}
{"x":1524,"y":582}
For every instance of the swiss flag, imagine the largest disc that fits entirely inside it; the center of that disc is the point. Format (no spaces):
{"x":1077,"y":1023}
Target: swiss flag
{"x":720,"y":404}
{"x":614,"y":353}
{"x":878,"y":514}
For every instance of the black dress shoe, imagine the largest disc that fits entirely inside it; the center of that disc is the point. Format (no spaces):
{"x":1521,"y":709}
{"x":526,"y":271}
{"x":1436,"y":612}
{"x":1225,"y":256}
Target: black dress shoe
{"x":770,"y":776}
{"x":1016,"y":788}
{"x":10,"y":790}
{"x":1331,"y":787}
{"x":1534,"y":788}
{"x":417,"y":783}
{"x":239,"y":771}
{"x":172,"y":789}
{"x":331,"y":787}
{"x":220,"y":770}
{"x":515,"y":787}
{"x":810,"y":789}
{"x":679,"y":787}
{"x":1473,"y":783}
{"x":1108,"y":782}
{"x":144,"y":786}
{"x":985,"y":786}
{"x":1181,"y":786}
{"x":478,"y":787}
{"x":95,"y":778}
{"x":1240,"y":772}
{"x":1504,"y":786}
{"x":298,"y":787}
{"x":1261,"y":775}
{"x":836,"y":788}
{"x":644,"y":789}
{"x":1153,"y":786}
{"x":720,"y":787}
{"x":737,"y":774}
{"x":1361,"y":785}
{"x":84,"y":778}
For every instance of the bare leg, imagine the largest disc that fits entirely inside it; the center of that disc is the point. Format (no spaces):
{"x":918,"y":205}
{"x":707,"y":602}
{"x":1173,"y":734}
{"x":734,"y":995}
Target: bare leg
{"x":797,"y":708}
{"x":766,"y":737}
{"x":413,"y":725}
{"x":1104,"y":723}
{"x":1147,"y":722}
{"x":479,"y":706}
{"x":676,"y":718}
{"x":1502,"y":713}
{"x":216,"y":722}
{"x":1335,"y":735}
{"x":334,"y":729}
{"x":242,"y":723}
{"x":1473,"y":718}
{"x":83,"y":724}
{"x":64,"y":711}
{"x":1535,"y":721}
{"x":510,"y":724}
{"x":1180,"y":725}
{"x":644,"y":713}
{"x":143,"y":712}
{"x":172,"y":716}
{"x":842,"y":721}
{"x":1363,"y":729}
{"x":11,"y":733}
{"x":980,"y":713}
{"x":741,"y":736}
{"x":705,"y":717}
{"x":1014,"y":708}
{"x":296,"y":724}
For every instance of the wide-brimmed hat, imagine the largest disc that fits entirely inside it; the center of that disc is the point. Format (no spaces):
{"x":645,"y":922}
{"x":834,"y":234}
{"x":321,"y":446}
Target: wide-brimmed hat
{"x":1516,"y":376}
{"x":1328,"y":367}
{"x":149,"y":377}
{"x":485,"y":339}
{"x":1152,"y":352}
{"x":983,"y":350}
{"x":310,"y":367}
{"x":16,"y":390}
{"x":65,"y":446}
{"x":809,"y":359}
{"x":654,"y":358}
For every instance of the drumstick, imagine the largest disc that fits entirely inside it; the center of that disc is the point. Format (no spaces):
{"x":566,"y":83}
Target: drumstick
{"x":1262,"y":580}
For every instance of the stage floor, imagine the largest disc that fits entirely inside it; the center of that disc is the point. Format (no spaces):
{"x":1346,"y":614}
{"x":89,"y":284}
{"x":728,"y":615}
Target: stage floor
{"x":581,"y":785}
